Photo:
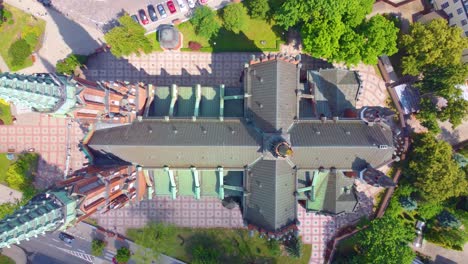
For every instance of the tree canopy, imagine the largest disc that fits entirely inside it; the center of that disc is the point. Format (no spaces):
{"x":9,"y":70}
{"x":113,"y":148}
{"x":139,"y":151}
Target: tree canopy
{"x":258,"y":9}
{"x":19,"y":51}
{"x":127,"y":38}
{"x":430,"y":45}
{"x":205,"y":22}
{"x":235,"y":17}
{"x":435,"y":173}
{"x":123,"y":255}
{"x":339,"y":31}
{"x":384,"y":241}
{"x":70,"y":63}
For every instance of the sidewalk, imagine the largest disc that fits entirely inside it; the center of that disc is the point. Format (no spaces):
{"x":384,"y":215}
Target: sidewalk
{"x":15,"y":253}
{"x":3,"y":65}
{"x":89,"y":232}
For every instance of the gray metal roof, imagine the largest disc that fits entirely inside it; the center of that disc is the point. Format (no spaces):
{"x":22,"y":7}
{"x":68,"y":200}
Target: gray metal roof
{"x":335,"y":88}
{"x":151,"y":143}
{"x":271,"y":203}
{"x":345,"y":144}
{"x":336,"y":199}
{"x":273,"y":87}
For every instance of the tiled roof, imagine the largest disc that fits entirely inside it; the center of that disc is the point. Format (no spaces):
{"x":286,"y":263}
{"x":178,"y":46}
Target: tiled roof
{"x":272,"y":85}
{"x":271,"y":203}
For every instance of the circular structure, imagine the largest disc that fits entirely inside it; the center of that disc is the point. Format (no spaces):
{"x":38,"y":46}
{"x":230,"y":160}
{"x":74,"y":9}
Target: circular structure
{"x":169,"y":37}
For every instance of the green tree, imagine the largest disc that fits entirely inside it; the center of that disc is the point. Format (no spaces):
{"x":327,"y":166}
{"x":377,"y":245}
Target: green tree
{"x":205,"y":255}
{"x":97,"y":246}
{"x":70,"y":63}
{"x":433,"y":44}
{"x":446,"y":219}
{"x":408,"y":203}
{"x":123,"y":255}
{"x":433,"y":170}
{"x":127,"y":38}
{"x":19,"y":51}
{"x":156,"y":236}
{"x":258,"y":9}
{"x":294,"y":247}
{"x":205,"y":22}
{"x":447,"y":237}
{"x":235,"y":17}
{"x":338,"y":31}
{"x":392,"y":246}
{"x":380,"y":36}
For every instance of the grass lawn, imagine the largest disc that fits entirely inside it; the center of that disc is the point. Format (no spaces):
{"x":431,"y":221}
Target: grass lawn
{"x":233,"y":245}
{"x":247,"y":40}
{"x":154,"y":41}
{"x":5,"y":113}
{"x":6,"y":260}
{"x":4,"y":164}
{"x":10,"y":33}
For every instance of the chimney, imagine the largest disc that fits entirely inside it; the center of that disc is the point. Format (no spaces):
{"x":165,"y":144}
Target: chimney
{"x":323,"y":118}
{"x":335,"y":119}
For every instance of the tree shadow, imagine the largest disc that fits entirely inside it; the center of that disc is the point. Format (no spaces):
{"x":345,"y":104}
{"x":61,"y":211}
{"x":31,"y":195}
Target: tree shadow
{"x":228,"y":41}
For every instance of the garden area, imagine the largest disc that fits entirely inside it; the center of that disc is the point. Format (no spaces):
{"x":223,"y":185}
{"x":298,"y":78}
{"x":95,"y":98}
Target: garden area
{"x":215,"y":245}
{"x":19,"y":175}
{"x":6,"y":260}
{"x":21,"y":35}
{"x":5,"y":113}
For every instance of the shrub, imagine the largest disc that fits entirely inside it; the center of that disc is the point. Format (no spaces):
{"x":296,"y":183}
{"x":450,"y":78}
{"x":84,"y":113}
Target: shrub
{"x":19,"y":51}
{"x":195,"y":46}
{"x":31,"y":34}
{"x":205,"y":255}
{"x":274,"y":248}
{"x":70,"y":63}
{"x":294,"y":247}
{"x":97,"y":246}
{"x":408,"y":203}
{"x":447,"y":237}
{"x":6,"y":15}
{"x":123,"y":255}
{"x":446,"y":219}
{"x":235,"y":17}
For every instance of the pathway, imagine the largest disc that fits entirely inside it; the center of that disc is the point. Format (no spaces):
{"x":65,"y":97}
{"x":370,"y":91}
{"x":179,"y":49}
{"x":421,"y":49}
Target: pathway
{"x":62,"y":36}
{"x":3,"y":65}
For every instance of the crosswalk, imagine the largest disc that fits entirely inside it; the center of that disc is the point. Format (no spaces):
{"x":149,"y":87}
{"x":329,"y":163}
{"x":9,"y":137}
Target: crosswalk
{"x":83,"y":256}
{"x":109,"y":255}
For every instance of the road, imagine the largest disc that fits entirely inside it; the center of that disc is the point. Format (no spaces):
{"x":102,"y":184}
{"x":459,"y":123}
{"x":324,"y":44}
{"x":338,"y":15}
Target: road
{"x":49,"y":249}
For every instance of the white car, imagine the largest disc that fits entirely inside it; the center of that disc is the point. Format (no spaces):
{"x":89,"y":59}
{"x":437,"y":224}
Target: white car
{"x":182,"y":5}
{"x":191,"y":3}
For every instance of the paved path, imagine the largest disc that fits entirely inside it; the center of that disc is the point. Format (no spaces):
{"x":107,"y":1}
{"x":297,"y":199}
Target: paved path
{"x":47,"y":135}
{"x":3,"y":65}
{"x":62,"y":36}
{"x":406,"y":11}
{"x":442,"y":255}
{"x":15,"y":253}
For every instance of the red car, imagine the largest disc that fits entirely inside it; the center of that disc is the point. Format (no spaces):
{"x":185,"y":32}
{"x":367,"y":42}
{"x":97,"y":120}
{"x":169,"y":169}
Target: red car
{"x":143,"y":17}
{"x":203,"y":2}
{"x":171,"y":7}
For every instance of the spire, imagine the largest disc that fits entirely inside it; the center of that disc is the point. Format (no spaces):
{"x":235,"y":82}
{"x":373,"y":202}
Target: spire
{"x":376,"y":178}
{"x":281,"y":148}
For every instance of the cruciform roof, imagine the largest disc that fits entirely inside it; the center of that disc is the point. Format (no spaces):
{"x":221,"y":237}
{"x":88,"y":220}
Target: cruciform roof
{"x":270,"y":116}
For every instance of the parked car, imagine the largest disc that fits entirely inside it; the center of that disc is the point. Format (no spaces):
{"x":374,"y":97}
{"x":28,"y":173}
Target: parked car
{"x":182,"y":5}
{"x":152,"y":13}
{"x":171,"y":7}
{"x":191,"y":3}
{"x":46,"y":3}
{"x":161,"y":11}
{"x":143,"y":17}
{"x":66,"y":237}
{"x":203,"y":2}
{"x":135,"y":18}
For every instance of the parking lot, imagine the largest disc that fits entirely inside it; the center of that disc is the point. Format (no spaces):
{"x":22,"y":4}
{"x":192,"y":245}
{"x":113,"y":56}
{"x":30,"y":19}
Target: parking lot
{"x":100,"y":14}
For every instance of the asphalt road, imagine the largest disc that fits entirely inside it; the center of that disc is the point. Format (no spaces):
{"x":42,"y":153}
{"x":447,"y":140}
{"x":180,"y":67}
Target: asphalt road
{"x":49,"y":249}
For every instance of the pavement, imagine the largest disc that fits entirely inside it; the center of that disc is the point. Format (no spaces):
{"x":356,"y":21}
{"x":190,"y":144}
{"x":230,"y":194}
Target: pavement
{"x":48,"y":137}
{"x":102,"y":14}
{"x":407,"y":12}
{"x":48,"y":248}
{"x":62,"y":36}
{"x":440,"y":255}
{"x":9,"y":195}
{"x":16,"y":253}
{"x":3,"y":65}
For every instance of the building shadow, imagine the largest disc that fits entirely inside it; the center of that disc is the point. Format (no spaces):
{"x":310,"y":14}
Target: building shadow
{"x":47,"y":174}
{"x":74,"y":35}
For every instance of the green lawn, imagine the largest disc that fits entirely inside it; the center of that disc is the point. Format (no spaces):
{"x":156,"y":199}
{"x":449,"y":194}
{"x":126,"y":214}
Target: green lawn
{"x":4,"y":164}
{"x":233,"y":245}
{"x":5,"y":113}
{"x":23,"y":22}
{"x":154,"y":41}
{"x":247,"y":40}
{"x":6,"y":260}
